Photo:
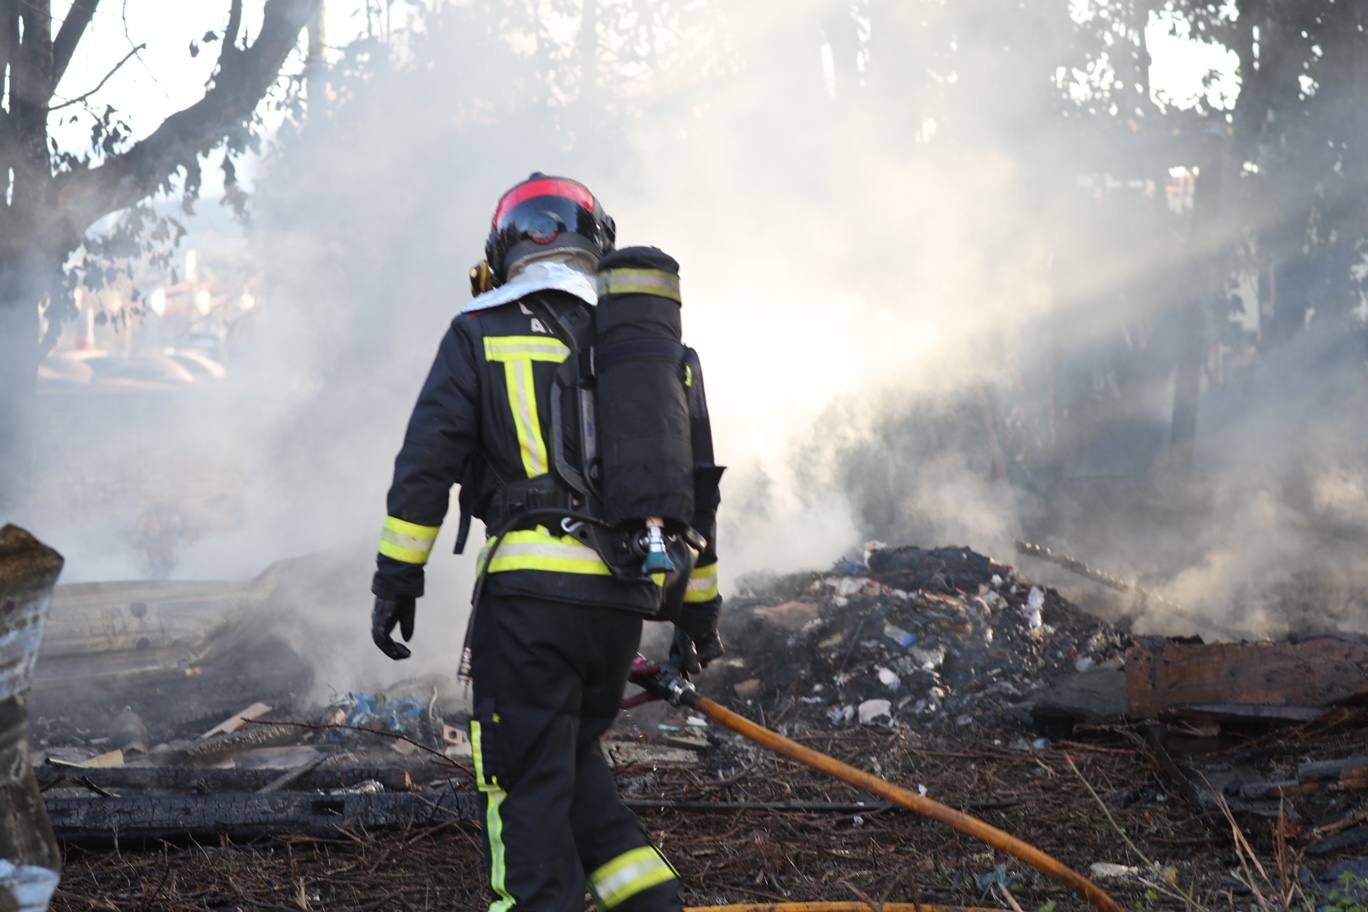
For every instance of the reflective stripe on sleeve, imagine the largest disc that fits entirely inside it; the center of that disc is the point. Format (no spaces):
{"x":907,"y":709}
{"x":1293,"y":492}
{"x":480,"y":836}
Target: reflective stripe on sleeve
{"x":494,"y":798}
{"x":639,"y":281}
{"x":628,"y":874}
{"x":407,"y":542}
{"x":538,"y":549}
{"x":517,"y":353}
{"x":702,"y":585}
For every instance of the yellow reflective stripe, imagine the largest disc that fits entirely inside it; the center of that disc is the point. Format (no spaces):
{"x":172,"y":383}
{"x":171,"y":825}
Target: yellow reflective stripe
{"x":518,"y":348}
{"x":412,"y":530}
{"x":494,"y":797}
{"x":688,"y":375}
{"x":538,"y":549}
{"x":517,"y":354}
{"x":639,"y":281}
{"x":702,"y":584}
{"x":407,"y":542}
{"x":522,"y":398}
{"x":628,"y":874}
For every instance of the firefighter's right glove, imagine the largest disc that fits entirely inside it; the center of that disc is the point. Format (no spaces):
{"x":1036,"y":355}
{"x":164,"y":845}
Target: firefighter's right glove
{"x":683,"y":655}
{"x":384,"y":616}
{"x":697,"y":640}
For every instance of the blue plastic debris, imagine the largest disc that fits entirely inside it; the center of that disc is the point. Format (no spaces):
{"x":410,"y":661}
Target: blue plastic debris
{"x":847,"y":567}
{"x":998,"y":877}
{"x":903,"y":638}
{"x":376,"y":712}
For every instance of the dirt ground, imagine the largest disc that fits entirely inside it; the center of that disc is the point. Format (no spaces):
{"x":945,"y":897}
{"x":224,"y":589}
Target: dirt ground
{"x":1105,"y":800}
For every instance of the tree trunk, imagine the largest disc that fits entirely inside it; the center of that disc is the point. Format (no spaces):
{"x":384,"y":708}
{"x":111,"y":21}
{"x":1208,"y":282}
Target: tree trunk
{"x":44,"y":216}
{"x":20,"y":332}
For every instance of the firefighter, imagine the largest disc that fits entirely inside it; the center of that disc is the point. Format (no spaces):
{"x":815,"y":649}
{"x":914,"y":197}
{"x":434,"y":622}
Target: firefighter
{"x":555,"y":625}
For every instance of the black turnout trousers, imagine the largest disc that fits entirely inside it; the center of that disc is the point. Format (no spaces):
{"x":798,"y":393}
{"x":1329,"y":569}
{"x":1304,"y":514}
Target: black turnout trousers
{"x":548,"y":681}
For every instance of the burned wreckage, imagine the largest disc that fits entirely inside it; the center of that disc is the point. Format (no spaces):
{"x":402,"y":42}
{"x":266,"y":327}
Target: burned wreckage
{"x":146,"y":729}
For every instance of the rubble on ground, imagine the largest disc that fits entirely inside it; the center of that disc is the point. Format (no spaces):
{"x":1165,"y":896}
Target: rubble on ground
{"x":940,"y":669}
{"x":939,"y":638}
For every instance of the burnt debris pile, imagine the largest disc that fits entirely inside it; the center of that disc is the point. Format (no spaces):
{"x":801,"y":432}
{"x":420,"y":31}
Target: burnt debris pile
{"x":942,"y":638}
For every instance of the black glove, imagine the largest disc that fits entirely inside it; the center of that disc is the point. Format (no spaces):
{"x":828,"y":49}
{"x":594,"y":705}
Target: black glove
{"x":696,"y":640}
{"x":387,"y":613}
{"x":683,"y":655}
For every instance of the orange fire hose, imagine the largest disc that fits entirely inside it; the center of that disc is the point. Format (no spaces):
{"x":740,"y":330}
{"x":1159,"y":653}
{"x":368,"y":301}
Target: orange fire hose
{"x":918,"y":804}
{"x":835,"y":907}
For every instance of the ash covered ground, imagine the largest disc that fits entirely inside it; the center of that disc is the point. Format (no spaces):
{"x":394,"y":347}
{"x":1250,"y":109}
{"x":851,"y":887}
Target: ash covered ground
{"x":924,"y":666}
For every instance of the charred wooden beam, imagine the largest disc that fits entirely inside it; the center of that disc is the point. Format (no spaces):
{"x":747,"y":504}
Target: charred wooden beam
{"x":162,"y":779}
{"x":1259,"y":680}
{"x":243,"y":816}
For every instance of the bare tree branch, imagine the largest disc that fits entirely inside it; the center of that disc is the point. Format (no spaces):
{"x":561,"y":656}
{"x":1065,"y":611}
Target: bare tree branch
{"x":69,"y":35}
{"x":234,"y":24}
{"x":100,"y":85}
{"x":244,"y":76}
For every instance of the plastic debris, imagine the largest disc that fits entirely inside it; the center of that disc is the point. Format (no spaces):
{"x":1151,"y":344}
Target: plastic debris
{"x":931,"y":618}
{"x":404,"y":716}
{"x":1034,"y":608}
{"x":873,"y":710}
{"x":847,"y":567}
{"x":902,"y":637}
{"x":748,"y":688}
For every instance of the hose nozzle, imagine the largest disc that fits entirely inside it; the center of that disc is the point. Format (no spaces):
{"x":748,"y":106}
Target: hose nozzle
{"x":657,"y":558}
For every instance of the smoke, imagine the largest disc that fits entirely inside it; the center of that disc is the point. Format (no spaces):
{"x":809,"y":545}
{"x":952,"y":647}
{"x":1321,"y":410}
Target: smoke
{"x":915,"y":324}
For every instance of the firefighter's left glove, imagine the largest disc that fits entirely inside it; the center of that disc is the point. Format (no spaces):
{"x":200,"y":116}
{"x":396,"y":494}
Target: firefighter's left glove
{"x":384,"y":616}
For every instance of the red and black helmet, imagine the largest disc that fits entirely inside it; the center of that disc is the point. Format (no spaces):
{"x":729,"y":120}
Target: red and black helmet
{"x":546,"y":213}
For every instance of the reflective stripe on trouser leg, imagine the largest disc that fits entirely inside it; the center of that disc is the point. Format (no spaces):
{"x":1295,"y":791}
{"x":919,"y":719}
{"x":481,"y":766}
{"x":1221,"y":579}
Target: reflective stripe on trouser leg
{"x":702,"y":585}
{"x":629,"y":874}
{"x":407,"y":542}
{"x":494,"y":798}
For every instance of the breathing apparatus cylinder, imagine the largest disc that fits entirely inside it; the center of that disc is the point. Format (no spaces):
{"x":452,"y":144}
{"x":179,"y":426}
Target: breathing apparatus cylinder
{"x":641,"y":372}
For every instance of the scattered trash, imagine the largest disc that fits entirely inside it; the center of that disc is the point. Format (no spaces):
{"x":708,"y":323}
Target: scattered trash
{"x":791,"y":615}
{"x":846,"y":567}
{"x":237,"y":720}
{"x":404,"y":716}
{"x":110,"y":760}
{"x":998,"y":878}
{"x":1035,"y":605}
{"x":899,"y":636}
{"x":1104,"y":870}
{"x":956,"y":631}
{"x":28,"y":886}
{"x":747,"y":688}
{"x":873,"y":710}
